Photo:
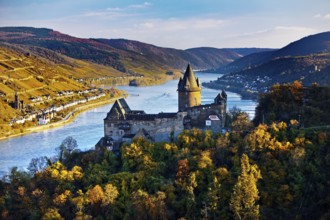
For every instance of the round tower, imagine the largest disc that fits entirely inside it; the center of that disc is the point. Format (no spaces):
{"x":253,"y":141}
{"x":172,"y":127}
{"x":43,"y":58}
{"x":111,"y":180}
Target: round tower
{"x":189,"y":90}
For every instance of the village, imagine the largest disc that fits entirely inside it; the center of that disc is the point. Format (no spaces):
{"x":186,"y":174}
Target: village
{"x":44,"y":116}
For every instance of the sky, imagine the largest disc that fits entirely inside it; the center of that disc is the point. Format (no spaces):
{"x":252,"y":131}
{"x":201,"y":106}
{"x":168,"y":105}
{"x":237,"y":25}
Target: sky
{"x":177,"y":24}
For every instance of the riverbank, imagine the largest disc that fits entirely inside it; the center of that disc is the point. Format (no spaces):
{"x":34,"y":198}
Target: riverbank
{"x":66,"y":120}
{"x":245,"y":94}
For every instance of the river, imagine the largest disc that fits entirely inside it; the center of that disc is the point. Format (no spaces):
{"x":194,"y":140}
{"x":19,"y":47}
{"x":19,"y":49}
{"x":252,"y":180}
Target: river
{"x":87,"y":128}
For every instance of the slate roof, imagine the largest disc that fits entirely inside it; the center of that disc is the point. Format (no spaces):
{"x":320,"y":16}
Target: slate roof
{"x":146,"y":117}
{"x":119,"y":109}
{"x":221,"y":96}
{"x":150,"y":117}
{"x":166,"y":115}
{"x":189,"y":83}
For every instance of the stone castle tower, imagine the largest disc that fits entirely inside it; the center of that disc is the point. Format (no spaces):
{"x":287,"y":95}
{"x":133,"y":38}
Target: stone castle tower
{"x":189,"y":90}
{"x":18,"y":104}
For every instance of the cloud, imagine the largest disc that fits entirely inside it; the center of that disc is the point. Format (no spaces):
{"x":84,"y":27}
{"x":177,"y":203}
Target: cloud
{"x":258,"y":32}
{"x":114,"y":9}
{"x":130,"y":7}
{"x":326,"y":16}
{"x":174,"y":24}
{"x":140,"y":6}
{"x":294,"y":29}
{"x":114,"y":12}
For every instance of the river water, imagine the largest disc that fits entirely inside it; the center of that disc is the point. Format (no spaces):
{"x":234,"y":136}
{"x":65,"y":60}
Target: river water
{"x":87,"y":128}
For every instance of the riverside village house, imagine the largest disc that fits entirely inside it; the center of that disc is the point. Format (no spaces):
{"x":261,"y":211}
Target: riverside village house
{"x":123,"y":124}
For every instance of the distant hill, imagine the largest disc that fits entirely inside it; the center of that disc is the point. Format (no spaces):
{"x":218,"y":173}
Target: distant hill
{"x":200,"y":58}
{"x":247,"y":51}
{"x":314,"y":44}
{"x":306,"y":60}
{"x":127,"y":56}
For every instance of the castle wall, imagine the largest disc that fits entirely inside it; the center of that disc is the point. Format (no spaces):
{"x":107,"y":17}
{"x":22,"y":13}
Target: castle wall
{"x":189,"y":99}
{"x":201,"y":113}
{"x":159,"y":129}
{"x":112,"y":130}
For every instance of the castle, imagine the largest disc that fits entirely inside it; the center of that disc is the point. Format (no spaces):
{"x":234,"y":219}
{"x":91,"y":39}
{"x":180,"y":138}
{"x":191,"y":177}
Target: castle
{"x":122,"y":124}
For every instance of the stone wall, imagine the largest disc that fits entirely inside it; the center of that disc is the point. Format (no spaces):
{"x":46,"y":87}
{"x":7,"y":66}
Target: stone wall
{"x":200,"y":114}
{"x":189,"y":99}
{"x":159,"y":129}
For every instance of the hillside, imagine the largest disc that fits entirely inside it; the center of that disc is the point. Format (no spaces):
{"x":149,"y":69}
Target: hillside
{"x":314,"y":44}
{"x":306,"y":60}
{"x":127,"y":56}
{"x":39,"y":76}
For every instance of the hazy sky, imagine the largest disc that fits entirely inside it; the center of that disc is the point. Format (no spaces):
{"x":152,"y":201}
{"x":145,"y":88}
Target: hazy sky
{"x":176,"y":23}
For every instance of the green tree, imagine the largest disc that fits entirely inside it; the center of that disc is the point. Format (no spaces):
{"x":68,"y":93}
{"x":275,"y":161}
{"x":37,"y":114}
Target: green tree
{"x":243,"y":202}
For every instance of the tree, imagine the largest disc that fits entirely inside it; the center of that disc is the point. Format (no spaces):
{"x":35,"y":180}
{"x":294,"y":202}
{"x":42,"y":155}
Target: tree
{"x":37,"y":164}
{"x":96,"y":195}
{"x":241,"y":123}
{"x":52,"y":213}
{"x":110,"y":194}
{"x":149,"y":206}
{"x":243,"y":202}
{"x":68,"y":145}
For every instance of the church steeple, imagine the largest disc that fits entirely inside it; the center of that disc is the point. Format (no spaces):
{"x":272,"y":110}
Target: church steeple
{"x":189,"y":89}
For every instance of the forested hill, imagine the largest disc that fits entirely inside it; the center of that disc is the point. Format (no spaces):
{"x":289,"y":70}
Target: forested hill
{"x":124,"y":55}
{"x":306,"y":60}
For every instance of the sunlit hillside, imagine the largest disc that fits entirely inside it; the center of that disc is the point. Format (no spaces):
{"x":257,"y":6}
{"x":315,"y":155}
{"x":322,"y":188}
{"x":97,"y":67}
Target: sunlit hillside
{"x":40,"y":77}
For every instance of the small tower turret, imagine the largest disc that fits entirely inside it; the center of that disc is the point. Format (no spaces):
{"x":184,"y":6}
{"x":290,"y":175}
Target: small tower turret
{"x":189,"y":90}
{"x":16,"y":101}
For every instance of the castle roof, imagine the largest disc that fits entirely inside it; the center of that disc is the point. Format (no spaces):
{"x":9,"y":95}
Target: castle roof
{"x":189,"y":83}
{"x":221,"y":96}
{"x":150,"y":117}
{"x":119,"y":109}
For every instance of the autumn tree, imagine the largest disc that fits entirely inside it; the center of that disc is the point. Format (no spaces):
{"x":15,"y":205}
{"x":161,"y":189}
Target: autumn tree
{"x":243,"y":202}
{"x":241,"y":123}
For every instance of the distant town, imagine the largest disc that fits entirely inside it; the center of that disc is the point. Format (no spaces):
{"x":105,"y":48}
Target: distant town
{"x":44,"y":116}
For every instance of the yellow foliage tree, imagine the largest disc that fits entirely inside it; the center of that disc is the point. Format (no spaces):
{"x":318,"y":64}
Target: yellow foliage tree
{"x":204,"y":160}
{"x":110,"y":194}
{"x":243,"y":202}
{"x":52,"y":213}
{"x":95,"y":195}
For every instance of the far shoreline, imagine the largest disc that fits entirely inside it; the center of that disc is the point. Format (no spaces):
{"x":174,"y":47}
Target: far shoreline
{"x":70,"y":117}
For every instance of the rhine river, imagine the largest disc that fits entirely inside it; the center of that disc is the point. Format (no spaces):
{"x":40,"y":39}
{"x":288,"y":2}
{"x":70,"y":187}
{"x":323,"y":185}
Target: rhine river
{"x":87,"y":128}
